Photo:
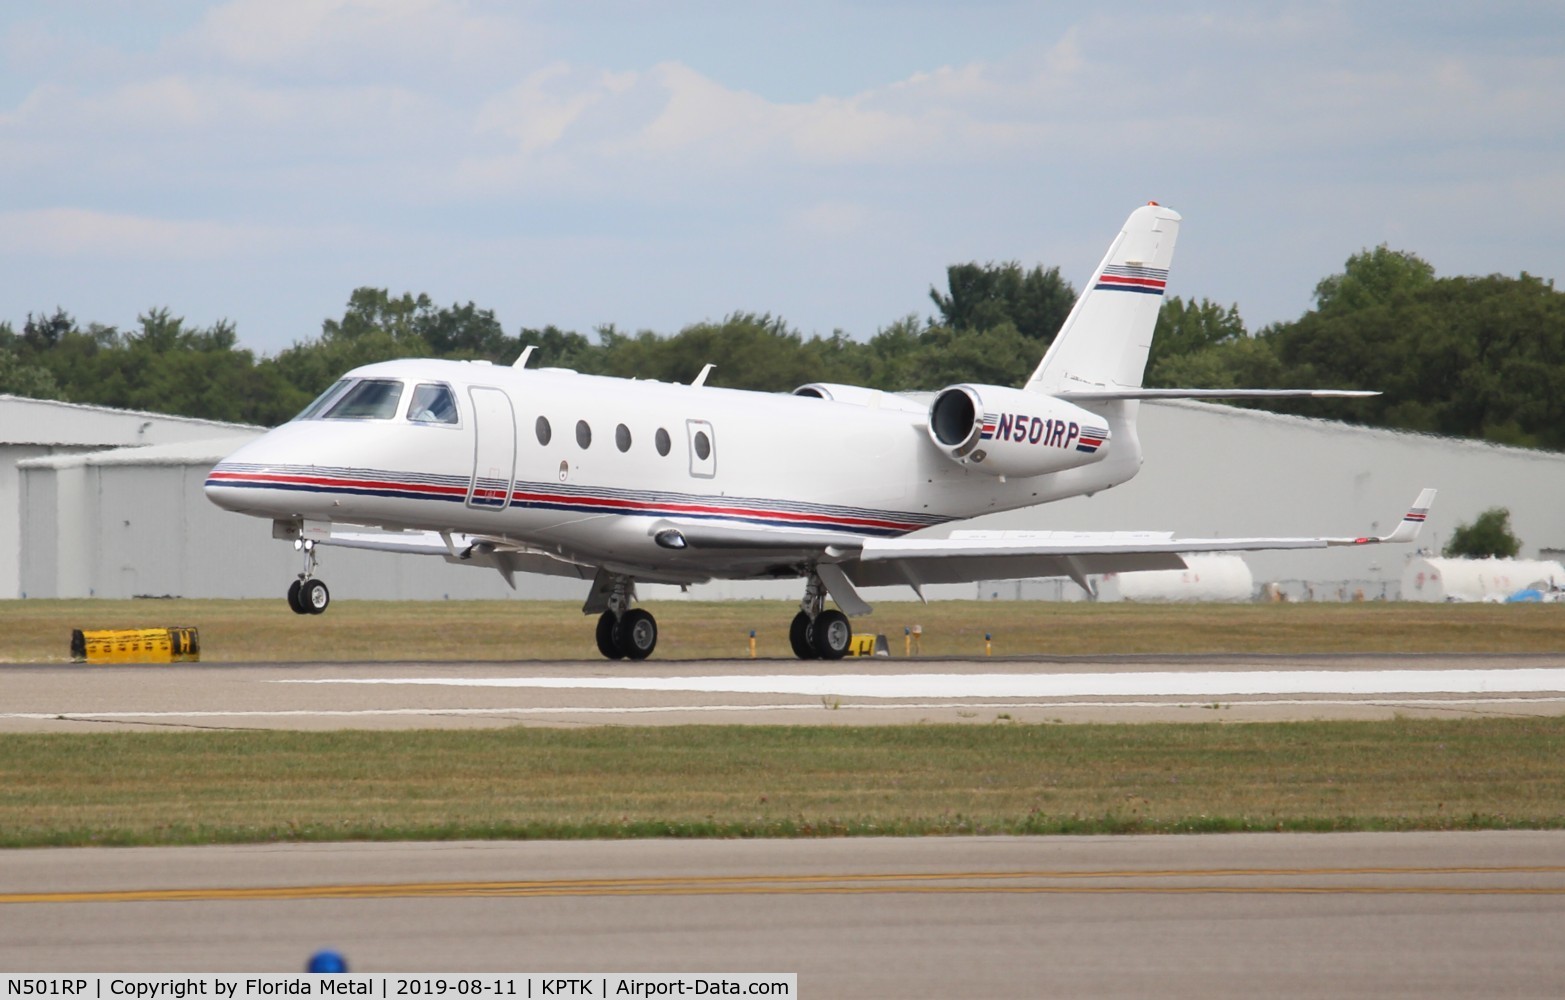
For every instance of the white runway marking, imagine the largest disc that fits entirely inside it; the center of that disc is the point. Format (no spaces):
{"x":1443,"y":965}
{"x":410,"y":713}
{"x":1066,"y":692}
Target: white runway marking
{"x":786,"y":707}
{"x":1111,"y":685}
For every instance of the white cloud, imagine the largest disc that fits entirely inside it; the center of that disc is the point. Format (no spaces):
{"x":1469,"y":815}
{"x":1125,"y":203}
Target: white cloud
{"x":86,"y":235}
{"x":536,"y":113}
{"x":340,"y":39}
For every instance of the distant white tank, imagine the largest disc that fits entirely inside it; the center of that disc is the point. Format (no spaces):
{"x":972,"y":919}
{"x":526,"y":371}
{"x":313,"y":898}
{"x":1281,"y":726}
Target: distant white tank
{"x":1205,"y":578}
{"x":1430,"y":578}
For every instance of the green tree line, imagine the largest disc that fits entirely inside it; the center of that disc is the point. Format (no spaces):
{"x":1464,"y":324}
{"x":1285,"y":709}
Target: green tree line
{"x":1480,"y":357}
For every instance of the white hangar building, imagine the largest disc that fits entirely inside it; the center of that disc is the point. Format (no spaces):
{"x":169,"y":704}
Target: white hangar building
{"x":108,"y":503}
{"x":96,"y":518}
{"x":36,"y":428}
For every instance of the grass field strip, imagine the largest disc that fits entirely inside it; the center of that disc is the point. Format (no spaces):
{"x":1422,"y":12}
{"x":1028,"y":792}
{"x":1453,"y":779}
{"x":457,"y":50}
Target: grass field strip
{"x":1466,"y":880}
{"x":1161,"y":684}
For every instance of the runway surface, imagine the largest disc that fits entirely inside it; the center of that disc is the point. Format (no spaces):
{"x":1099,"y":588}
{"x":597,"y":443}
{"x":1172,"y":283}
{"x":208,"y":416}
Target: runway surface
{"x":63,"y":697}
{"x":1426,"y":915}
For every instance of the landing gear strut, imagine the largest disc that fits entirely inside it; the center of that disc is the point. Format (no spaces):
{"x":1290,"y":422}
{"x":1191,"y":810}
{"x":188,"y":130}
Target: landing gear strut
{"x":307,"y":595}
{"x":625,"y":632}
{"x":817,"y":633}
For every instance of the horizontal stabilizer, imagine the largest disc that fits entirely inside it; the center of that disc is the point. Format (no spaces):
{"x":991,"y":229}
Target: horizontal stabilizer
{"x":1098,"y":395}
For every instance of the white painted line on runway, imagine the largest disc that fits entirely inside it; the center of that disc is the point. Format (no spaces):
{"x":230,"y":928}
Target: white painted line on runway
{"x":783,"y":707}
{"x":1128,"y":685}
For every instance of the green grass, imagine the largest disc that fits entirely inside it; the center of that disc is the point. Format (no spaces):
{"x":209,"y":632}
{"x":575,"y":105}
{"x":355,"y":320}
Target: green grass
{"x":243,"y":631}
{"x":763,"y":781}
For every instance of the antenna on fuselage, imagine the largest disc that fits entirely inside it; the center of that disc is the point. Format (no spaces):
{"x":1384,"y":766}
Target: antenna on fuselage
{"x":527,"y":352}
{"x":701,"y":378}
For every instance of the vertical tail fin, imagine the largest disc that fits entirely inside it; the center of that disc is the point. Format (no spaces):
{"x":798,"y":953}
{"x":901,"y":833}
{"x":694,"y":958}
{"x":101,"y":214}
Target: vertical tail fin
{"x":1106,"y":337}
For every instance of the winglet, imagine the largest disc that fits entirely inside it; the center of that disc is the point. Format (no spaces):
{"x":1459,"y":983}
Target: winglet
{"x":1413,"y":520}
{"x":1406,"y":531}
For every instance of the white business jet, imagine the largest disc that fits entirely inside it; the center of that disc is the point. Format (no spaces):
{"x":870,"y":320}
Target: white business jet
{"x":619,"y":480}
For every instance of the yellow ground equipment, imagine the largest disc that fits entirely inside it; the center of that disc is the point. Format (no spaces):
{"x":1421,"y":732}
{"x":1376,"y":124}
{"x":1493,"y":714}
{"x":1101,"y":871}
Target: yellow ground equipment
{"x":135,"y":645}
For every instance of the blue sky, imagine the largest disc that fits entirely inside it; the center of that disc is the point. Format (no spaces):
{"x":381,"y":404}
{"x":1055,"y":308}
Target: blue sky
{"x":653,"y":165}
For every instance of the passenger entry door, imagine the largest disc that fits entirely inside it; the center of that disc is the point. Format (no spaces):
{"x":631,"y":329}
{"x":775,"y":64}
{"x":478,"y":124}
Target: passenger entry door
{"x":494,"y":449}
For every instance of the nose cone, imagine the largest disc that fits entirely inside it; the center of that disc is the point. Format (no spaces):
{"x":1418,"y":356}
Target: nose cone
{"x":225,"y":496}
{"x":256,"y":478}
{"x":228,"y":484}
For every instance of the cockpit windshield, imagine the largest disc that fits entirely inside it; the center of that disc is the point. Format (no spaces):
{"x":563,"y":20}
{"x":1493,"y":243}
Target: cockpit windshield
{"x":378,"y":399}
{"x":367,"y":399}
{"x":324,"y":400}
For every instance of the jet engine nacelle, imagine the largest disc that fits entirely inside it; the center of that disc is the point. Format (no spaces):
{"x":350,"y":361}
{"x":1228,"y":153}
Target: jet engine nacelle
{"x":1008,"y":432}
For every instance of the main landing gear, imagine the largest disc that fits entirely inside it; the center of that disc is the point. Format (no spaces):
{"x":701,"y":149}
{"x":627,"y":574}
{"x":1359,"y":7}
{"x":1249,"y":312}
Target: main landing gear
{"x":817,"y":633}
{"x":625,"y":632}
{"x":307,"y":595}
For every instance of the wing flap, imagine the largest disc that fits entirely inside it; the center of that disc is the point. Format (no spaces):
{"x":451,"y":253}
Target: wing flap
{"x":959,"y":567}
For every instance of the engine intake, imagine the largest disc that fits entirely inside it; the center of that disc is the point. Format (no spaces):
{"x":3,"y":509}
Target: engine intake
{"x":1009,"y":432}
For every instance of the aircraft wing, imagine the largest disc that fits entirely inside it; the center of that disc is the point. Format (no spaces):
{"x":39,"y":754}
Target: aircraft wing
{"x":969,"y":556}
{"x":847,"y":562}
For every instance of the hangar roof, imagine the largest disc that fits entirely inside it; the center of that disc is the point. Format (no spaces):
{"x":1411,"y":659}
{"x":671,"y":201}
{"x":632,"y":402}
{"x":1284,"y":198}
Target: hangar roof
{"x":50,"y":422}
{"x":1220,"y":410}
{"x":208,"y":451}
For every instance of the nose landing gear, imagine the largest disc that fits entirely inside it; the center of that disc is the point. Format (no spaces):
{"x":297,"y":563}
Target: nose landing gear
{"x":307,"y":595}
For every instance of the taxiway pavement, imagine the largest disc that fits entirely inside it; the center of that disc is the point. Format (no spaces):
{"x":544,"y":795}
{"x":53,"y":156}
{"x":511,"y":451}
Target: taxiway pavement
{"x":1427,"y":914}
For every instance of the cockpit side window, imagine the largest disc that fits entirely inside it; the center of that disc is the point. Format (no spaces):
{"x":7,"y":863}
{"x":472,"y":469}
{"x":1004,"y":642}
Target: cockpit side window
{"x":324,"y":399}
{"x":433,"y":403}
{"x":368,"y":399}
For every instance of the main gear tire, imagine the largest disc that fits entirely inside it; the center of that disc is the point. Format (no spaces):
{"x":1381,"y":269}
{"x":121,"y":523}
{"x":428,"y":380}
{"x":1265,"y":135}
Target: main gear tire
{"x":831,"y":634}
{"x":636,"y":634}
{"x":606,"y":644}
{"x":799,"y":637}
